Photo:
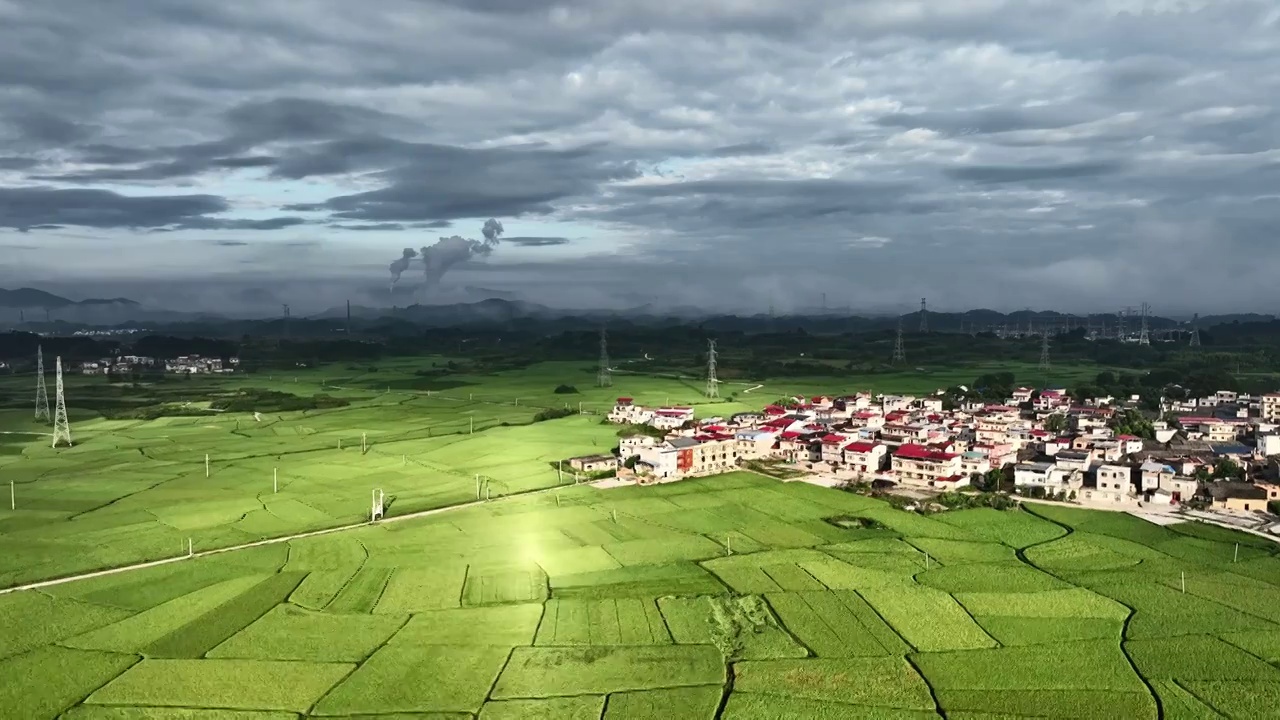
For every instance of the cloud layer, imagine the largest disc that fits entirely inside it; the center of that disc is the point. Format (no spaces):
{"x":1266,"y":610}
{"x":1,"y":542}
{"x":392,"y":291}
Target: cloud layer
{"x":733,"y":154}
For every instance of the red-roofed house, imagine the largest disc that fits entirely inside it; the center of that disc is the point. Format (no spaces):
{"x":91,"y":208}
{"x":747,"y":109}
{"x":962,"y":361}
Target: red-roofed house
{"x":921,"y":466}
{"x":831,"y":448}
{"x":865,"y":458}
{"x":772,"y":410}
{"x":952,"y":482}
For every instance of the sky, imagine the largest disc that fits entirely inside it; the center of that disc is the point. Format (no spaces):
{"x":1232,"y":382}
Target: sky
{"x":729,"y":155}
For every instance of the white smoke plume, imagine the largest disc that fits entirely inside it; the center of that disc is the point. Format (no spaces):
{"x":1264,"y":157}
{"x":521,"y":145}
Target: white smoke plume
{"x":447,"y":252}
{"x":399,"y":266}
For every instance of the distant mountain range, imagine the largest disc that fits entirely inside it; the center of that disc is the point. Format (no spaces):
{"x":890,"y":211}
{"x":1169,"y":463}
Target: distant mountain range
{"x":30,"y":298}
{"x":36,"y":307}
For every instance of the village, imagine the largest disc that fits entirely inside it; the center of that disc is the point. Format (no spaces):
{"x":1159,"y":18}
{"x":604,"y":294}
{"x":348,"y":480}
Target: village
{"x":181,"y":365}
{"x":1219,"y":454}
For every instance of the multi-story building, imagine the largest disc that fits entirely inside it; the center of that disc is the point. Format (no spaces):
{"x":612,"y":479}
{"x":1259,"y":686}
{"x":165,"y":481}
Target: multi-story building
{"x":865,"y":458}
{"x":1052,"y":478}
{"x":1269,"y":406}
{"x":1114,"y":484}
{"x":919,"y":465}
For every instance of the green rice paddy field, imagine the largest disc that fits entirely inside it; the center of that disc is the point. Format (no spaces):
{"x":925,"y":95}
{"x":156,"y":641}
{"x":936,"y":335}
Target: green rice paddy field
{"x":627,"y":603}
{"x":134,"y":490}
{"x":724,"y":597}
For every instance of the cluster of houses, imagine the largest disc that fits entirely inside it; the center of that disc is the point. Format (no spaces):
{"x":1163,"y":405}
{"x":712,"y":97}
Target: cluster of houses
{"x":1044,"y":441}
{"x":184,"y":364}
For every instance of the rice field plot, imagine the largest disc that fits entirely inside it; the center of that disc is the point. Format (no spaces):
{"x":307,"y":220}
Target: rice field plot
{"x":693,"y":703}
{"x":1242,"y":699}
{"x":585,"y":707}
{"x":561,"y":671}
{"x":955,"y":552}
{"x":204,"y":633}
{"x":292,"y":633}
{"x":419,"y":589}
{"x":134,"y":633}
{"x":230,"y":684}
{"x":55,"y":679}
{"x":31,"y":620}
{"x":930,"y":620}
{"x":1161,"y":611}
{"x":499,"y":625}
{"x":610,"y":621}
{"x":410,"y":679}
{"x":490,"y":587}
{"x":642,"y":581}
{"x":991,"y":577}
{"x":361,"y":592}
{"x":751,"y":706}
{"x":889,"y":683}
{"x":1058,"y":680}
{"x":1016,"y":528}
{"x":739,"y":627}
{"x":770,"y":571}
{"x":836,"y":624}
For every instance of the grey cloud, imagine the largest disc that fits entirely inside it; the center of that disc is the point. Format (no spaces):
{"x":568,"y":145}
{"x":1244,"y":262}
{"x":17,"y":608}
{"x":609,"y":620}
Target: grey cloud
{"x":440,"y":182}
{"x":747,"y":148}
{"x":230,"y":243}
{"x":535,"y":241}
{"x":17,"y":163}
{"x":26,"y":207}
{"x":725,"y":147}
{"x":203,"y":223}
{"x":1032,"y":173}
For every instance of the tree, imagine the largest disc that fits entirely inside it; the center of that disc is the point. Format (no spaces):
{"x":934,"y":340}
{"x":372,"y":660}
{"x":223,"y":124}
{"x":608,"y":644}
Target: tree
{"x":1105,"y":379}
{"x":1132,"y":422}
{"x":1227,"y":469}
{"x":1055,"y":423}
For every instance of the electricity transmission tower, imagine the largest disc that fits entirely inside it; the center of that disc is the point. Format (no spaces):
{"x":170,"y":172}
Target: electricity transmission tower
{"x":1195,"y":330}
{"x":899,"y":354}
{"x":1120,"y":329}
{"x":924,"y":316}
{"x":603,"y":377}
{"x":1144,"y":338}
{"x":42,"y":395}
{"x":285,"y":322}
{"x":1044,"y":351}
{"x":713,"y":385}
{"x":61,"y":428}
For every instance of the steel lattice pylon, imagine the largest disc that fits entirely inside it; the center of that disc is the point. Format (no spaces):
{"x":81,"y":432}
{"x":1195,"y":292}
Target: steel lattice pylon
{"x":604,"y":377}
{"x":899,"y":354}
{"x":61,"y":427}
{"x":42,"y":395}
{"x":713,"y":385}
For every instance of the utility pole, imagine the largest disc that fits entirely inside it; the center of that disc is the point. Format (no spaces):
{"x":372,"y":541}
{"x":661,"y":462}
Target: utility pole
{"x":924,"y":316}
{"x":61,"y":427}
{"x":42,"y":395}
{"x":604,"y":378}
{"x":713,"y":385}
{"x":899,"y":354}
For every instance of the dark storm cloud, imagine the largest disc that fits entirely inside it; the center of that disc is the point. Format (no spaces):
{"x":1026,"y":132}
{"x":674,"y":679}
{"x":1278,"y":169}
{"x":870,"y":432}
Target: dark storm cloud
{"x":1024,"y":149}
{"x":436,"y":182}
{"x":747,"y":148}
{"x":1032,"y":173}
{"x":530,"y":241}
{"x":26,"y":207}
{"x":17,"y":163}
{"x":277,"y":223}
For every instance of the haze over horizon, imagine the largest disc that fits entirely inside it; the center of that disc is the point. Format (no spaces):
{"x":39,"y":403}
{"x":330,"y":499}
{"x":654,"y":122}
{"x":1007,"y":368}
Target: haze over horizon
{"x":731,"y":155}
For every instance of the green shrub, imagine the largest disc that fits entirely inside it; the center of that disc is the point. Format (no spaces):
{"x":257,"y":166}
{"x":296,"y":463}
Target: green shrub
{"x":566,"y":390}
{"x":553,"y":413}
